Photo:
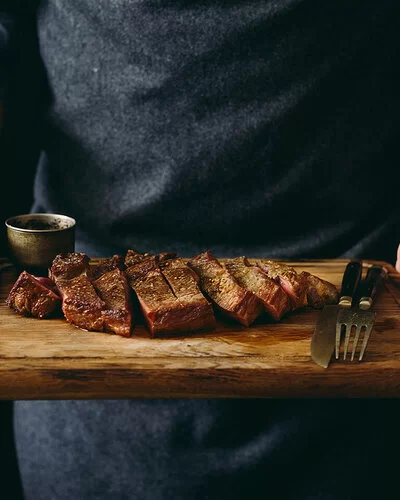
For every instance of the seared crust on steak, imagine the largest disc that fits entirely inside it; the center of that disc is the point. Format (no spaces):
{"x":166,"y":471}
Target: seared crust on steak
{"x":68,"y":266}
{"x":113,"y":288}
{"x":81,"y":305}
{"x":183,"y":281}
{"x":252,"y":278}
{"x":32,"y":296}
{"x":163,"y":311}
{"x":292,"y":283}
{"x":223,"y":289}
{"x":114,"y":262}
{"x":132,"y":257}
{"x":319,"y":292}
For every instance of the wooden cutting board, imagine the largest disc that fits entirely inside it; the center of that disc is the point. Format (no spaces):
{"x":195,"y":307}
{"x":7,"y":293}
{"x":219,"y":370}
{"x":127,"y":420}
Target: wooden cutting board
{"x":50,"y":359}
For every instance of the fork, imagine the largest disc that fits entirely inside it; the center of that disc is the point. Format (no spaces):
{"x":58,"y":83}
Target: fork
{"x":360,"y":317}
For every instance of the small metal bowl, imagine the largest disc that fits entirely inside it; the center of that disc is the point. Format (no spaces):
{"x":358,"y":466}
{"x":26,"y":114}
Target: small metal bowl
{"x":35,"y":239}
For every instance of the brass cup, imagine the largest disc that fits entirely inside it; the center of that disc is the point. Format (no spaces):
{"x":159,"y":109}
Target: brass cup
{"x":35,"y":239}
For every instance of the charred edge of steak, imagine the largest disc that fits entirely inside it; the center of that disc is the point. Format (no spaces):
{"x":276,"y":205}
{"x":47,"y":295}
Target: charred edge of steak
{"x":112,"y":287}
{"x":292,"y":283}
{"x":106,"y":265}
{"x":252,"y":278}
{"x":224,"y":291}
{"x":139,"y":270}
{"x":183,"y":282}
{"x":319,"y":292}
{"x":132,"y":257}
{"x":165,"y":256}
{"x":81,"y":305}
{"x":69,"y":266}
{"x":32,"y":296}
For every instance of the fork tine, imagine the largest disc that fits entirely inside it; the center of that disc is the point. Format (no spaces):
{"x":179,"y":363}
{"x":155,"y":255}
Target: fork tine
{"x":365,"y":340}
{"x":355,"y":341}
{"x":347,"y":339}
{"x":338,"y":335}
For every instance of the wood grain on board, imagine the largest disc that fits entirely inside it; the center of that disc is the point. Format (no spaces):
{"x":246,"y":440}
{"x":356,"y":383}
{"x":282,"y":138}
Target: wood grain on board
{"x":50,"y":359}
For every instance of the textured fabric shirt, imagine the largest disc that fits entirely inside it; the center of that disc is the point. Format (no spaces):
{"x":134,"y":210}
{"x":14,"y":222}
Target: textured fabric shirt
{"x":264,"y":128}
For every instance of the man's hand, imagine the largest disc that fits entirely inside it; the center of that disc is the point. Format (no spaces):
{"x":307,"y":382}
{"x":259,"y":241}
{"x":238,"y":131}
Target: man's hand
{"x":398,"y":259}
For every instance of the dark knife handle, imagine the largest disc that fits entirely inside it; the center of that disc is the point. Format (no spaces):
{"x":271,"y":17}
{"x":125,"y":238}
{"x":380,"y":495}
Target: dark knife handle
{"x":351,"y":277}
{"x":376,"y":275}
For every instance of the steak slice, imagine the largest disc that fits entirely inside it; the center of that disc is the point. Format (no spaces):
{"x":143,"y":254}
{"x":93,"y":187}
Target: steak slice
{"x":81,"y":305}
{"x":223,"y":289}
{"x":163,"y":312}
{"x":112,"y":287}
{"x":132,"y":257}
{"x":319,"y":292}
{"x":33,"y":296}
{"x":105,"y":265}
{"x":252,"y":278}
{"x":293,"y":284}
{"x":183,"y":281}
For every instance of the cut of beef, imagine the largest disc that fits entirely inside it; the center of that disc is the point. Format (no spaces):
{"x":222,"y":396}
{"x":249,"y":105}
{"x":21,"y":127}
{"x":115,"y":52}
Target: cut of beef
{"x":252,"y":278}
{"x":319,"y":292}
{"x":105,"y":265}
{"x":81,"y":305}
{"x":293,"y":284}
{"x":112,"y":287}
{"x":164,"y":256}
{"x":225,"y":292}
{"x":163,"y":312}
{"x":48,"y":283}
{"x":132,"y":257}
{"x":184,"y":283}
{"x":34,"y":296}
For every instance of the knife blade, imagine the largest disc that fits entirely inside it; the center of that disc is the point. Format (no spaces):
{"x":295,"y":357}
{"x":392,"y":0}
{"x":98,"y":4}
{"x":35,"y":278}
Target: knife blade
{"x":324,"y":336}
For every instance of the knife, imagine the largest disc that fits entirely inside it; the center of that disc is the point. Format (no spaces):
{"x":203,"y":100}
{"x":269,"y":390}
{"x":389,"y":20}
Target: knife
{"x":324,"y":336}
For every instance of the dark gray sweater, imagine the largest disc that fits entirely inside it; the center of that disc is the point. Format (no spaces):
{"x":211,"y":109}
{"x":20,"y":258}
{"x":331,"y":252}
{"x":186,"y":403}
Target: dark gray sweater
{"x":247,"y":127}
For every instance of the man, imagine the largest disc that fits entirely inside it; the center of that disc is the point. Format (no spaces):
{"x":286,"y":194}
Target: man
{"x":256,"y":128}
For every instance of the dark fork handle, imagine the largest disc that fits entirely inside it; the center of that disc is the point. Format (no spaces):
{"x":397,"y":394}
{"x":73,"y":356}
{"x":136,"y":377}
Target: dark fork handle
{"x":376,"y":275}
{"x":351,"y":277}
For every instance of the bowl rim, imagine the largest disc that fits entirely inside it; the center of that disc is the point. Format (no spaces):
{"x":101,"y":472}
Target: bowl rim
{"x":40,"y":215}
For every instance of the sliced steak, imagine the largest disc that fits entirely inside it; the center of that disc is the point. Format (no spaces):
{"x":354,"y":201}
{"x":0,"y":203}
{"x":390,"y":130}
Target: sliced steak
{"x":184,"y":283}
{"x":112,"y":287}
{"x":319,"y":292}
{"x":81,"y":305}
{"x":164,"y":256}
{"x":163,"y":312}
{"x":132,"y":257}
{"x":293,"y":284}
{"x":252,"y":278}
{"x":105,"y":265}
{"x":223,"y":289}
{"x":34,"y":296}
